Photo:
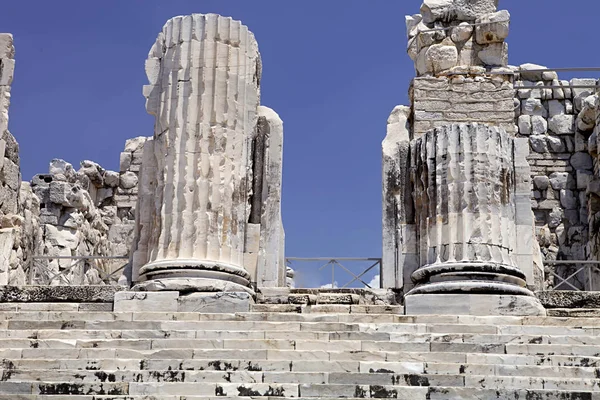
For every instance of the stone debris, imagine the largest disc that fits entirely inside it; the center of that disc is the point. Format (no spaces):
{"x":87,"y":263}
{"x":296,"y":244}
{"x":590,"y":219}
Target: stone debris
{"x":81,"y":216}
{"x":450,"y":33}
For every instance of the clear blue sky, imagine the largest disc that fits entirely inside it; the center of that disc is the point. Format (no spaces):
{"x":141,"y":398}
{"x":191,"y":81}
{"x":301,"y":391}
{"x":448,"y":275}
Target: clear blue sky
{"x":333,"y":70}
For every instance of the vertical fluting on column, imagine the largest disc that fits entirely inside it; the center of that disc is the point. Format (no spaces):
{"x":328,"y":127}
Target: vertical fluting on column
{"x":204,"y":73}
{"x":464,"y":193}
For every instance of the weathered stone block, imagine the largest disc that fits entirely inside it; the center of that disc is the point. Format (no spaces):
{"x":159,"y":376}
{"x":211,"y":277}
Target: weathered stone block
{"x":7,"y":71}
{"x":10,"y":174}
{"x":61,"y":236}
{"x":7,"y":49}
{"x":562,"y":124}
{"x":125,"y":161}
{"x":581,"y":161}
{"x":472,"y":304}
{"x":146,"y":301}
{"x":224,"y":302}
{"x":494,"y":27}
{"x":462,"y":10}
{"x":534,"y":107}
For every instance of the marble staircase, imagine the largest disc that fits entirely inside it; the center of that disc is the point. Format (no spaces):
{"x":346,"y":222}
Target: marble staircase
{"x":55,"y":350}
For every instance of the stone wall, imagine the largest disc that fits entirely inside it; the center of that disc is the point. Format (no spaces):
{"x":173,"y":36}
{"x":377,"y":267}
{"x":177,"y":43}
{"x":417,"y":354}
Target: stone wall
{"x":89,"y":212}
{"x":558,"y":127}
{"x":593,"y":198}
{"x":438,"y":101}
{"x":18,"y":207}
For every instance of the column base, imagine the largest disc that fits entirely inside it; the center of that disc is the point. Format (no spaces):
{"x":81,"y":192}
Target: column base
{"x":190,"y":275}
{"x":188,"y":285}
{"x":472,"y":304}
{"x":471,"y":287}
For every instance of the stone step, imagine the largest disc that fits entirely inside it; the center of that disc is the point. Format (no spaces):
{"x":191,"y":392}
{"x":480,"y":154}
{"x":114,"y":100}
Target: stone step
{"x":276,"y":339}
{"x":371,"y":351}
{"x":314,"y":327}
{"x":83,"y":307}
{"x":64,"y":388}
{"x":444,"y":393}
{"x":452,"y":361}
{"x":442,"y":320}
{"x":538,"y":359}
{"x":297,"y":337}
{"x":436,"y":374}
{"x":327,"y":308}
{"x":432,"y":393}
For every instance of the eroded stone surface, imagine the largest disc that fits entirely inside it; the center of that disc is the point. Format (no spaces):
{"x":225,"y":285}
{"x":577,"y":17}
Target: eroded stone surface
{"x":224,"y":206}
{"x":476,"y":304}
{"x":49,"y":294}
{"x":461,"y":10}
{"x":569,"y":299}
{"x":476,"y":229}
{"x":450,"y":33}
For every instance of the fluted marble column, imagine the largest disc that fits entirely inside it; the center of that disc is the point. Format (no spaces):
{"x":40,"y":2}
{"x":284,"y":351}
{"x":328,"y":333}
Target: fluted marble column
{"x":464,"y":190}
{"x":196,"y":183}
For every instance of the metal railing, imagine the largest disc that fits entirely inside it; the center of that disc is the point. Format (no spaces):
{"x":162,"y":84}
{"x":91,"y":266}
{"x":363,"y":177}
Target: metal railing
{"x":336,"y":263}
{"x":43,"y":271}
{"x":574,"y":275}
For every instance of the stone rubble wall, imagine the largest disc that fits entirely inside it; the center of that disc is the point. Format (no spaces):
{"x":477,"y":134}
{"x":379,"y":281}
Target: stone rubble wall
{"x":89,"y":212}
{"x":558,"y":126}
{"x":448,"y":33}
{"x":64,"y":213}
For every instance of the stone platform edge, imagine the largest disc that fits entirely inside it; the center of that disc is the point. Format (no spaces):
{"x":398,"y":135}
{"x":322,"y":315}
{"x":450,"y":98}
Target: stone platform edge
{"x":561,"y":301}
{"x":59,"y":294}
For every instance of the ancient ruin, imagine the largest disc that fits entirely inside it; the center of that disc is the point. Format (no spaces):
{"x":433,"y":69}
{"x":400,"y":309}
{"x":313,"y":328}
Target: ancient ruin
{"x":167,"y":279}
{"x":456,"y":180}
{"x":208,"y":218}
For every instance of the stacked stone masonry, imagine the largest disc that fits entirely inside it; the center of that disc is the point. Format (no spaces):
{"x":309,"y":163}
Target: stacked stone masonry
{"x":559,"y":123}
{"x":438,"y":101}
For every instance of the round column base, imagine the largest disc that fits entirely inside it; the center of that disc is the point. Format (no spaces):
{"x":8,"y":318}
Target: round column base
{"x":190,"y":275}
{"x":470,"y":277}
{"x":471,"y":287}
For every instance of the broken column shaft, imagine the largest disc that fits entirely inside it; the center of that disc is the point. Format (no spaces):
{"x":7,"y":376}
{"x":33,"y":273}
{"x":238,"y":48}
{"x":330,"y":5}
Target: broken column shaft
{"x":195,"y":231}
